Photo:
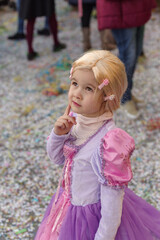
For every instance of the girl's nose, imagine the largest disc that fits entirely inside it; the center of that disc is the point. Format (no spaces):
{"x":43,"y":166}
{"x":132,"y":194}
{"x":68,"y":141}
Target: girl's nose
{"x":78,"y":93}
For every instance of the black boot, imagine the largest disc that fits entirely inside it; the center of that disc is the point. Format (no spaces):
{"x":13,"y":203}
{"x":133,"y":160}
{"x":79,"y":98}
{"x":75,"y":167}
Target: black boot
{"x":58,"y":47}
{"x":31,"y":56}
{"x":17,"y":36}
{"x":43,"y":32}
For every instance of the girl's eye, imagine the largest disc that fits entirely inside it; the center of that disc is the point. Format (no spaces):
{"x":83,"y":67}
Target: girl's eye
{"x":74,"y":83}
{"x":89,"y":89}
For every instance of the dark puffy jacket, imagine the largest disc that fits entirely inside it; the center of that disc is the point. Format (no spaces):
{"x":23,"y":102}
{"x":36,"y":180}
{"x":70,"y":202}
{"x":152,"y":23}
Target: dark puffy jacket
{"x":123,"y":13}
{"x":75,"y":2}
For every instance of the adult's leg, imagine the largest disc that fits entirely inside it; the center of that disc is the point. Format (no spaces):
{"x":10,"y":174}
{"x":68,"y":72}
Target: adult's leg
{"x":127,"y":44}
{"x":46,"y":24}
{"x":54,"y":27}
{"x":19,"y":35}
{"x":45,"y":31}
{"x":54,"y":30}
{"x":139,"y":52}
{"x":86,"y":18}
{"x":85,"y":25}
{"x":139,"y":37}
{"x":20,"y":21}
{"x":30,"y":29}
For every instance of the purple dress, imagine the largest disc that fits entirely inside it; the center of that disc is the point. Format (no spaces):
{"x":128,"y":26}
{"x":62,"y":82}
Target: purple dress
{"x":74,"y":213}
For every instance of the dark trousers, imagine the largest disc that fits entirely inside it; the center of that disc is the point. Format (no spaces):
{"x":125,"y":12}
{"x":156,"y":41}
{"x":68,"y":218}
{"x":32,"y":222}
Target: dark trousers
{"x":53,"y":28}
{"x":86,"y":18}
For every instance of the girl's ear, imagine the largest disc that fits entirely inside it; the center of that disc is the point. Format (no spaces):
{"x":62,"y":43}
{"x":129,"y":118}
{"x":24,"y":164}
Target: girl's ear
{"x":104,"y":97}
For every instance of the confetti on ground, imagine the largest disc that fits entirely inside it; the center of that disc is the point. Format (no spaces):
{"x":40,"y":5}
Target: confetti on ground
{"x":153,"y":123}
{"x":32,"y":99}
{"x":49,"y":83}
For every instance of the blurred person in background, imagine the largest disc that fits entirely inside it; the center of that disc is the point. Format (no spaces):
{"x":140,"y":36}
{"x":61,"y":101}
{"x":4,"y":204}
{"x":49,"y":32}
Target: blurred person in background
{"x":3,"y":2}
{"x":46,"y":30}
{"x":30,"y":10}
{"x":86,"y":8}
{"x":85,"y":18}
{"x":19,"y":35}
{"x":127,"y":20}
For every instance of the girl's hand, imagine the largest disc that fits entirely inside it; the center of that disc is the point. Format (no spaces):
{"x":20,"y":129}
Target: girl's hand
{"x":64,"y":124}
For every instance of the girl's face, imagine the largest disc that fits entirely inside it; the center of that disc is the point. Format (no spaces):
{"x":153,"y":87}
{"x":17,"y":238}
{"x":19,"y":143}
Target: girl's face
{"x":84,"y":97}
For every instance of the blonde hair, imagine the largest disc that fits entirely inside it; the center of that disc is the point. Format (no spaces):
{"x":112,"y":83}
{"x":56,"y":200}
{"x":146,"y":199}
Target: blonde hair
{"x":105,"y":65}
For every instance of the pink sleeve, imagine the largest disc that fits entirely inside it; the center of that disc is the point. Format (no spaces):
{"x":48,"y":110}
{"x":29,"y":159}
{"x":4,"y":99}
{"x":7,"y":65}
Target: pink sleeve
{"x":116,"y":149}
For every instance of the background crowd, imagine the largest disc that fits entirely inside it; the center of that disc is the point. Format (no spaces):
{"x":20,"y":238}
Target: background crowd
{"x":115,"y":24}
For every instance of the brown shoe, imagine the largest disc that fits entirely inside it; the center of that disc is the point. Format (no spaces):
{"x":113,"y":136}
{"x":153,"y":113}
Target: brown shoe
{"x":130,"y":109}
{"x":86,"y":39}
{"x":137,"y":100}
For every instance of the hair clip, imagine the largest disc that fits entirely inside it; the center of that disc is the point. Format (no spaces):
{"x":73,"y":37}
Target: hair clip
{"x":71,"y":71}
{"x":110,"y":97}
{"x":104,"y":83}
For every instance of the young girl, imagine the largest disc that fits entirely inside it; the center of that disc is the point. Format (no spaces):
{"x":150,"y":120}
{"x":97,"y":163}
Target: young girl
{"x":92,"y":201}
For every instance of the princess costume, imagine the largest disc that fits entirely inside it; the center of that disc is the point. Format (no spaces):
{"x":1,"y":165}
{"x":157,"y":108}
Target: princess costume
{"x":93,"y":201}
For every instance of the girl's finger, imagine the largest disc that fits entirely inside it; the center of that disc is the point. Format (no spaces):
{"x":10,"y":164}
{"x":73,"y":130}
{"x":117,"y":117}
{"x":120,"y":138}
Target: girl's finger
{"x":72,"y":120}
{"x":64,"y":122}
{"x":59,"y":124}
{"x":69,"y":119}
{"x":67,"y":111}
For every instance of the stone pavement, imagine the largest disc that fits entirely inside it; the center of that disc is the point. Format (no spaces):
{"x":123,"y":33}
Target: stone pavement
{"x":34,"y":94}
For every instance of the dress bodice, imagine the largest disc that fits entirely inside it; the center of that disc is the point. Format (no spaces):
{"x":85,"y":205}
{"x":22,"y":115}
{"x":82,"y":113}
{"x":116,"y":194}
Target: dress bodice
{"x":79,"y":179}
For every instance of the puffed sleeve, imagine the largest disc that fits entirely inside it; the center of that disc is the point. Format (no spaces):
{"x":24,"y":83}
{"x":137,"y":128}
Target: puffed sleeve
{"x":55,"y":145}
{"x":111,"y":162}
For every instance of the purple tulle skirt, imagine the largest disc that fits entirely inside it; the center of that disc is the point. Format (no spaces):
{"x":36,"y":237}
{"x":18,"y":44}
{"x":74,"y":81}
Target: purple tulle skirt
{"x":140,"y":221}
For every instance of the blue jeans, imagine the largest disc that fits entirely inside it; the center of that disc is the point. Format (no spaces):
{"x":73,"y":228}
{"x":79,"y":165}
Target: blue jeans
{"x":129,"y":42}
{"x":46,"y":24}
{"x":20,"y":21}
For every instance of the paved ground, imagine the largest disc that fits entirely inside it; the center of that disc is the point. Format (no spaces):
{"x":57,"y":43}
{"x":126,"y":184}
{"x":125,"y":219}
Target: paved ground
{"x":27,"y":114}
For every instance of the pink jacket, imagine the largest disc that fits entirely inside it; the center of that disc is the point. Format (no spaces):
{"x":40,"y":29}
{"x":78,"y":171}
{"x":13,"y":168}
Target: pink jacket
{"x":123,"y":13}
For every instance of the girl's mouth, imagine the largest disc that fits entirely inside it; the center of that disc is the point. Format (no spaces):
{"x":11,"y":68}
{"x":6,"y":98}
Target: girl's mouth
{"x":76,"y":104}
